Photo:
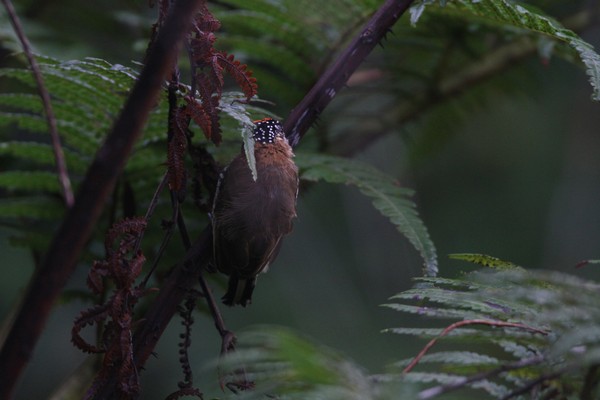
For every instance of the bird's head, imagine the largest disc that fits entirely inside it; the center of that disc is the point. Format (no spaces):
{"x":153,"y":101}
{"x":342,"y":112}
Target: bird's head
{"x":267,"y":130}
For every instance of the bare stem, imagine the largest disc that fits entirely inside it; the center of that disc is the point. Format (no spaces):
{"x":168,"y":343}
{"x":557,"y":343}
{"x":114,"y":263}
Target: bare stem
{"x":59,"y":156}
{"x":460,"y":324}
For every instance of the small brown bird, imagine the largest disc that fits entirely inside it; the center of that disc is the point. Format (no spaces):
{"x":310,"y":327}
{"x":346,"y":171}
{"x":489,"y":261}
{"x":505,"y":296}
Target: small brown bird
{"x":249,"y":218}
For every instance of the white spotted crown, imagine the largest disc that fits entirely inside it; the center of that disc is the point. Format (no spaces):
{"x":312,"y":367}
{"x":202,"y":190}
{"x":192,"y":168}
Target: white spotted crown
{"x":267,"y":130}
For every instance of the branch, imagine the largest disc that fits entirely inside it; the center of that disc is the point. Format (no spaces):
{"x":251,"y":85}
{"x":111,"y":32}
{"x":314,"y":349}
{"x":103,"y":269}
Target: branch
{"x":76,"y":229}
{"x":492,"y":64}
{"x":59,"y":156}
{"x":460,"y":324}
{"x":336,"y":76}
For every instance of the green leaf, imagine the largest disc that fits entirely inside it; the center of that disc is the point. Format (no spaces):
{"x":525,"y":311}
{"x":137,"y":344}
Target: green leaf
{"x":509,"y":15}
{"x":41,"y":153}
{"x":483,"y":259}
{"x":287,"y":42}
{"x":284,"y":363}
{"x":559,"y":325}
{"x":234,"y":109}
{"x":387,"y":196}
{"x":37,"y":208}
{"x":33,"y":181}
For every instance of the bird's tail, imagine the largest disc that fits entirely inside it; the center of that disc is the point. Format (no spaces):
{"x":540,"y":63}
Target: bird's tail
{"x":239,"y":291}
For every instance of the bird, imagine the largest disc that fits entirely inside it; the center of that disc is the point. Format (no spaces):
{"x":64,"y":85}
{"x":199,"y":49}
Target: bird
{"x":250,"y":218}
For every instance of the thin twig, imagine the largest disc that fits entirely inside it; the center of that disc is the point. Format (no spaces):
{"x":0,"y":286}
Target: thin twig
{"x":442,"y":389}
{"x":150,"y":212}
{"x":73,"y":234}
{"x":460,"y":324}
{"x":227,"y":337}
{"x":169,"y":230}
{"x":59,"y":156}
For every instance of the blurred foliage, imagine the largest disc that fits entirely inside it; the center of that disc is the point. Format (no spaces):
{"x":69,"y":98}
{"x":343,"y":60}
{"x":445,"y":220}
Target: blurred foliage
{"x":513,"y":333}
{"x":423,"y":86}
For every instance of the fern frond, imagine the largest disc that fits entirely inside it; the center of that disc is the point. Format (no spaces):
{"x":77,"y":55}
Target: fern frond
{"x":240,"y":73}
{"x":30,"y":181}
{"x":484,"y":260}
{"x":31,"y":208}
{"x":209,"y":104}
{"x":199,"y":115}
{"x":494,"y":389}
{"x":291,"y":40}
{"x":21,"y":101}
{"x":86,"y":96}
{"x":40,"y":154}
{"x":281,"y":363}
{"x":508,"y":15}
{"x":387,"y":196}
{"x":557,"y":310}
{"x":491,"y":309}
{"x":455,"y":358}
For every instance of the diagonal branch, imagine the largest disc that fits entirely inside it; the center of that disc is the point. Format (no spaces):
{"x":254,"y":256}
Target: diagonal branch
{"x":59,"y":156}
{"x":75,"y":231}
{"x":490,"y":65}
{"x":335,"y":77}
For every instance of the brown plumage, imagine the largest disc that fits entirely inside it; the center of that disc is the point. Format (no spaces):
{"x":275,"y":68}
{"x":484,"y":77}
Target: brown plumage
{"x":250,"y":217}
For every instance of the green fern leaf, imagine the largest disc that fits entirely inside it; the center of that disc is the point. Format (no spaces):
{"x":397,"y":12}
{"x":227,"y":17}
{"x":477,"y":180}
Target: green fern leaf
{"x":31,"y":181}
{"x":455,"y":358}
{"x":283,"y":363}
{"x":448,"y":313}
{"x":490,"y":310}
{"x":41,"y":154}
{"x":387,"y":196}
{"x":494,"y":389}
{"x":483,"y":259}
{"x":288,"y":42}
{"x":509,"y":15}
{"x":86,"y":97}
{"x":557,"y":328}
{"x":31,"y":208}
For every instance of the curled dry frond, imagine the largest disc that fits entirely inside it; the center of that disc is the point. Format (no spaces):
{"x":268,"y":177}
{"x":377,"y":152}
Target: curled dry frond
{"x":122,"y":265}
